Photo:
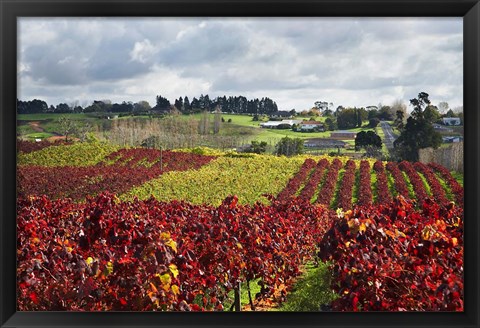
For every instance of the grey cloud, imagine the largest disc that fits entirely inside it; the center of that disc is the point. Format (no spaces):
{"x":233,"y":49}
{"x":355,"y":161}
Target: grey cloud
{"x":440,"y":26}
{"x":366,"y":82}
{"x":82,"y":52}
{"x":112,"y":61}
{"x":278,"y":56}
{"x":313,"y":34}
{"x":212,"y":44}
{"x":229,"y":84}
{"x":452,"y":44}
{"x":55,"y":64}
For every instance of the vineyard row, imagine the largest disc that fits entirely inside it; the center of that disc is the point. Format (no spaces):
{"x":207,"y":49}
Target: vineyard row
{"x":106,"y":254}
{"x":324,"y":180}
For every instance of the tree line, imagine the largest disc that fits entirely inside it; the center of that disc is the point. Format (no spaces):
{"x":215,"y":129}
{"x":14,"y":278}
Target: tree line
{"x":236,"y":104}
{"x":231,"y":104}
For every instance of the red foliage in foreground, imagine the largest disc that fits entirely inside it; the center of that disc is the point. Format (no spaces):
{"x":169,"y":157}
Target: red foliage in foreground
{"x":149,"y":255}
{"x":397,"y":258}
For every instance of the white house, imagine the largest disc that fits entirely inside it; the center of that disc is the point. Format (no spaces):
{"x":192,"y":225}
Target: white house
{"x":274,"y":124}
{"x":270,"y":124}
{"x":311,"y":125}
{"x":452,"y":139}
{"x":291,"y":122}
{"x":451,"y":121}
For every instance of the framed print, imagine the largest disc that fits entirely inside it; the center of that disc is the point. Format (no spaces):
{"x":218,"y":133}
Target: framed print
{"x":237,"y":163}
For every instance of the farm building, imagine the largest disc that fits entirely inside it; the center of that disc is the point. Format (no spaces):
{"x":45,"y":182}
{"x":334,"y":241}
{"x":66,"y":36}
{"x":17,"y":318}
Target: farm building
{"x":324,"y":143}
{"x":452,"y":139}
{"x":275,"y":124}
{"x":312,"y":126}
{"x":451,"y":121}
{"x":342,"y":134}
{"x":441,"y":127}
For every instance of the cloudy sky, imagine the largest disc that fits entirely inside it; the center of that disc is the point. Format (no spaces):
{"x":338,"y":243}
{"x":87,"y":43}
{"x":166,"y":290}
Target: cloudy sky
{"x":295,"y":62}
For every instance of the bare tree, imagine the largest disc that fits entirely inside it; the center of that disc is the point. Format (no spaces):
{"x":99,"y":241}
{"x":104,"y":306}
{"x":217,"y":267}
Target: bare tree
{"x":73,"y":105}
{"x":67,"y":126}
{"x":443,"y":107}
{"x":203,"y":124}
{"x":217,"y":120}
{"x":83,"y":131}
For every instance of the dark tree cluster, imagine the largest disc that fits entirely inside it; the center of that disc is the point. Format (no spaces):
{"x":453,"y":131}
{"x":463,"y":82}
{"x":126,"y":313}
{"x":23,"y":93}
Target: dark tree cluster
{"x":97,"y":107}
{"x":418,"y":132}
{"x":162,"y":103}
{"x":365,"y":139}
{"x":32,"y":107}
{"x":37,"y":106}
{"x":350,"y":118}
{"x":237,"y":104}
{"x":257,"y":147}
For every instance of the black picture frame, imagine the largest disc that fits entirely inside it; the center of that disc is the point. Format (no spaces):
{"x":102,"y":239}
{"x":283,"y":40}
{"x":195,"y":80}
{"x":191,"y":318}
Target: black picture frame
{"x":10,"y":10}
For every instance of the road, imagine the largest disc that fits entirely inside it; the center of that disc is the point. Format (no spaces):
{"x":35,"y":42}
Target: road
{"x":389,"y":135}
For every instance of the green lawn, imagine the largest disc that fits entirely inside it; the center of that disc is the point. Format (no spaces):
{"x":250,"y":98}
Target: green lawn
{"x":274,"y":135}
{"x":243,"y":120}
{"x":25,"y":129}
{"x":244,"y":126}
{"x":50,"y":122}
{"x":38,"y":135}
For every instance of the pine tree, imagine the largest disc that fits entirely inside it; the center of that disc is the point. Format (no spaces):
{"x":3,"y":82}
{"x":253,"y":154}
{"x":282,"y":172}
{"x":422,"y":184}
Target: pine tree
{"x":418,"y":132}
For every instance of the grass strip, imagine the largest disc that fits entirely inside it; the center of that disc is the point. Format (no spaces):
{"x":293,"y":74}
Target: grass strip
{"x":311,"y":291}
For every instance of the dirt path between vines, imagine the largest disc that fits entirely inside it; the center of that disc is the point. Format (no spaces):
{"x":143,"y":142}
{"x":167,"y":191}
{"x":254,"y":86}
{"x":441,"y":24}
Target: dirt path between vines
{"x":35,"y":125}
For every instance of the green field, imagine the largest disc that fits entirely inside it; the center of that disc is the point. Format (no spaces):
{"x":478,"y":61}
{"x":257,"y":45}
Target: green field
{"x":272,"y":136}
{"x":46,"y":125}
{"x":241,"y":127}
{"x":38,"y":135}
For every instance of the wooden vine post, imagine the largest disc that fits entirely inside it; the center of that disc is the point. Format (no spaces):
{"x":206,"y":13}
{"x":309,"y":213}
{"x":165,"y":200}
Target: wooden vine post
{"x":237,"y":303}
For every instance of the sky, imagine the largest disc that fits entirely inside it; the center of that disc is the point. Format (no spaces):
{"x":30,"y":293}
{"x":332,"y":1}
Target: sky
{"x":294,"y":61}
